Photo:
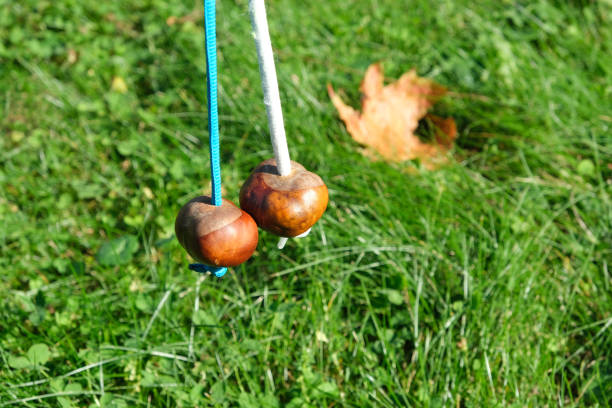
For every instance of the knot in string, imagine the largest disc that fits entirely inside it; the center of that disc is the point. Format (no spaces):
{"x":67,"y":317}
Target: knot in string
{"x":218,"y":271}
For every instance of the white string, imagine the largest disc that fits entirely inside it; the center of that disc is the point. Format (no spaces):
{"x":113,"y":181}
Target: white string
{"x":269,"y":84}
{"x":283,"y":240}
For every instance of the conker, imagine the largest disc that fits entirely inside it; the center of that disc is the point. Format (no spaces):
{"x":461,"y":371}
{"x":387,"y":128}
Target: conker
{"x":284,"y":205}
{"x":216,"y":235}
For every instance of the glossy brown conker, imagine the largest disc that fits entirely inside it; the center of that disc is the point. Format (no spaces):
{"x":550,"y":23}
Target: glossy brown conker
{"x":216,"y":235}
{"x":284,"y":205}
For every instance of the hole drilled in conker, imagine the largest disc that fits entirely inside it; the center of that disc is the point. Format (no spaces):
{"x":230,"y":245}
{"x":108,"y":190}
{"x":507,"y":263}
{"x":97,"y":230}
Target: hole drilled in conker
{"x":284,"y":205}
{"x":216,"y":235}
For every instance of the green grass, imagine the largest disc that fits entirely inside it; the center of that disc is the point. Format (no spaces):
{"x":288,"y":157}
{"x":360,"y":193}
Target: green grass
{"x":485,"y":283}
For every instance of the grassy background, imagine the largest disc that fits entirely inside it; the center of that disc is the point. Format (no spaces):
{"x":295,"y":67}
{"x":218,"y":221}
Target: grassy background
{"x":486,"y":283}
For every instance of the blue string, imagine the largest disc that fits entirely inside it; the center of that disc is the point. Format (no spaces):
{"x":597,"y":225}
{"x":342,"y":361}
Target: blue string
{"x":211,"y":81}
{"x":201,"y":268}
{"x":213,"y":119}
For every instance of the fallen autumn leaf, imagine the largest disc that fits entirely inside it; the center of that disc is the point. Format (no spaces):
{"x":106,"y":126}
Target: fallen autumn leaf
{"x":390,"y":116}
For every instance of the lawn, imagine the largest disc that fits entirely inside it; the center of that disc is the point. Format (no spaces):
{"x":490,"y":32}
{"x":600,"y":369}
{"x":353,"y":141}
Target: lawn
{"x":484,"y":283}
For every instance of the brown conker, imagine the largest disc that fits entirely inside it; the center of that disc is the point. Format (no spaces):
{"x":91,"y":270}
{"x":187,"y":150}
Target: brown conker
{"x":284,"y":205}
{"x":216,"y":235}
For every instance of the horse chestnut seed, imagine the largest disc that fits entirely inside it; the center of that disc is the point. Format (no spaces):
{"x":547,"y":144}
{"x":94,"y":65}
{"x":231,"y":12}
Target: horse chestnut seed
{"x":216,"y":235}
{"x":284,"y":205}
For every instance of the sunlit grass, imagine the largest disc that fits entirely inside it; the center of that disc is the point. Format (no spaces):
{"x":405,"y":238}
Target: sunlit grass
{"x":483,"y":283}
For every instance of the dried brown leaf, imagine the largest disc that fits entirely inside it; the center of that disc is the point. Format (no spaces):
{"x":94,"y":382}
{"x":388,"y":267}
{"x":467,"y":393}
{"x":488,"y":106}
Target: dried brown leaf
{"x":390,"y":115}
